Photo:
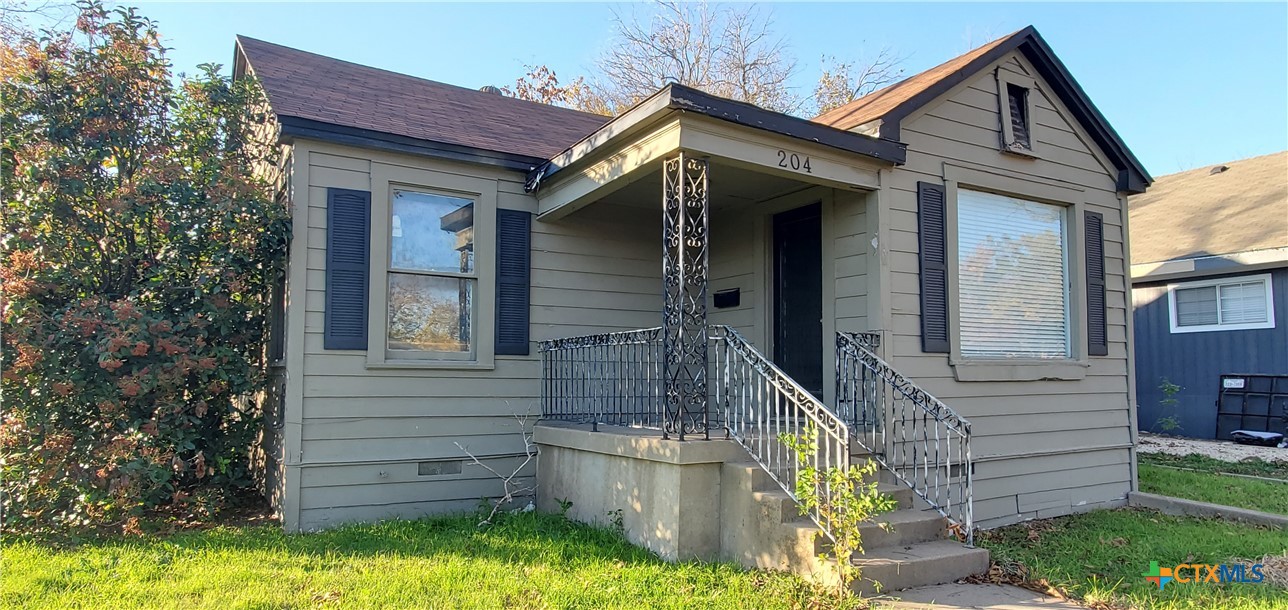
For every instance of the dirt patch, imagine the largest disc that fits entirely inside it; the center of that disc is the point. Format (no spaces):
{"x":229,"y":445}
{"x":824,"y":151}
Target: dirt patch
{"x":1225,"y":451}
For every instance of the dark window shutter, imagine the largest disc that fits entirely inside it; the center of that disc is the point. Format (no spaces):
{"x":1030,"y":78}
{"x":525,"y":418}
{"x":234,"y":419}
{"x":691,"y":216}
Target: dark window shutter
{"x":513,"y":273}
{"x":348,"y":255}
{"x":931,"y":227}
{"x":1097,"y":331}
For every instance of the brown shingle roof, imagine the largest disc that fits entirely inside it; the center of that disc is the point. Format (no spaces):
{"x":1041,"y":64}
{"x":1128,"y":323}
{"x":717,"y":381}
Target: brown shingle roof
{"x":1204,"y":212}
{"x":876,"y":104}
{"x":315,"y":87}
{"x":892,"y":104}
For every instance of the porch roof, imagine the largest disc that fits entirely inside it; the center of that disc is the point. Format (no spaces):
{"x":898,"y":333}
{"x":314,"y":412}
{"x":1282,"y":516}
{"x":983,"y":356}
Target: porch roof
{"x":680,"y":118}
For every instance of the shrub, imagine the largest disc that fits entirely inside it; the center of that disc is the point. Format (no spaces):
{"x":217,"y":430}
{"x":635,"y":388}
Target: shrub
{"x":852,"y":501}
{"x":140,"y":239}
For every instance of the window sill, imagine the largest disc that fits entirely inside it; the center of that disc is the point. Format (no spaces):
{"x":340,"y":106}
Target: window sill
{"x":1020,"y":370}
{"x":431,"y":365}
{"x":1020,"y":151}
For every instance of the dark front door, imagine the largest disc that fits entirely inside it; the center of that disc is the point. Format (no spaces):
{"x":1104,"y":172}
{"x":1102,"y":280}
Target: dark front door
{"x":798,"y":295}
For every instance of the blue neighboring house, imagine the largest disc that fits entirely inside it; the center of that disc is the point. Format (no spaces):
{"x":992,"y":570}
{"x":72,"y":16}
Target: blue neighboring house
{"x":1210,"y":296}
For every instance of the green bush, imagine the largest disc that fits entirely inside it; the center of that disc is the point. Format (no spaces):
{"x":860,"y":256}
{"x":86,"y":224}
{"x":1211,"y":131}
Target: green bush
{"x":140,"y":238}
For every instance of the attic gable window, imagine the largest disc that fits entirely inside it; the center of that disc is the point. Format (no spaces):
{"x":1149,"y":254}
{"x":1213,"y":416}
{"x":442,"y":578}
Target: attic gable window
{"x":1016,"y":96}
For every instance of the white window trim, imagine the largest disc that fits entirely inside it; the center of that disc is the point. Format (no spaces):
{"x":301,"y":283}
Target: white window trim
{"x":1266,"y":282}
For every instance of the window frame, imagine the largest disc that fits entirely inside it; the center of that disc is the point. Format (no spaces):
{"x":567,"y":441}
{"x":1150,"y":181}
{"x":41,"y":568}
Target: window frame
{"x":391,"y":270}
{"x":1267,"y":285}
{"x":385,"y":180}
{"x":1066,"y":262}
{"x":1073,"y":200}
{"x":1007,"y":132}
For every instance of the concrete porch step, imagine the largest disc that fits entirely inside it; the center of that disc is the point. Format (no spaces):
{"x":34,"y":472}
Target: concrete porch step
{"x":778,"y":503}
{"x":904,"y":528}
{"x":924,"y":563}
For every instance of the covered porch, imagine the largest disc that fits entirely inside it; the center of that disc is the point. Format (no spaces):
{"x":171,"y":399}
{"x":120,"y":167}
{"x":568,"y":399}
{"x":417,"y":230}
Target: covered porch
{"x":766,"y":229}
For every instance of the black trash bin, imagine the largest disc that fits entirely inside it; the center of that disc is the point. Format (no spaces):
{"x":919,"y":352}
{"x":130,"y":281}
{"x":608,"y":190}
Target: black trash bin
{"x":1252,"y":402}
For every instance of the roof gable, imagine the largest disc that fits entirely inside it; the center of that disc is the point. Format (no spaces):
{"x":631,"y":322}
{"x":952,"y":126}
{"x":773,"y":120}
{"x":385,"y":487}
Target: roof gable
{"x":892,"y":104}
{"x":313,"y":93}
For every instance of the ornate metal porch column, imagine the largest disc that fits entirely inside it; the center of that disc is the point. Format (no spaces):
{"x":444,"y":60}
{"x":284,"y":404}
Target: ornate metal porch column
{"x":684,"y":279}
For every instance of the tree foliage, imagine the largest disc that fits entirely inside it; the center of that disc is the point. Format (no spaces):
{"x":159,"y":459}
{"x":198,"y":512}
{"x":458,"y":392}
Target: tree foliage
{"x":729,"y":50}
{"x":140,"y":239}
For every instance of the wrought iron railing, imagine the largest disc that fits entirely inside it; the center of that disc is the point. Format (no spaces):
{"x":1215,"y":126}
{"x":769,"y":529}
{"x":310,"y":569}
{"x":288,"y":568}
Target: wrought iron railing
{"x":757,"y":403}
{"x":612,"y":378}
{"x":617,"y":379}
{"x":912,"y":434}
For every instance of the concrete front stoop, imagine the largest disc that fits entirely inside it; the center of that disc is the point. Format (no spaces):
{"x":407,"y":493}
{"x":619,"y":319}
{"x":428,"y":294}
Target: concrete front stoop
{"x":707,"y":500}
{"x":913,"y":549}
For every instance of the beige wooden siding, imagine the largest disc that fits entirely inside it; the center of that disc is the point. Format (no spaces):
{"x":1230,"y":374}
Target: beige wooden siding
{"x":1042,"y":447}
{"x":736,"y":258}
{"x":741,"y":249}
{"x":851,"y":255}
{"x":363,"y":431}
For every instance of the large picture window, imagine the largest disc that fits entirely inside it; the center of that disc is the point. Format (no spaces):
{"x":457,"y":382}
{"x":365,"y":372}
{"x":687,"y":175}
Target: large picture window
{"x":431,"y":278}
{"x":1240,"y":303}
{"x":1013,"y":278}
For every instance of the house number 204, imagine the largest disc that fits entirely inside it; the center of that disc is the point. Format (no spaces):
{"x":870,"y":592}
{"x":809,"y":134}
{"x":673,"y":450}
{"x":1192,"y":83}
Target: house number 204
{"x":794,"y":161}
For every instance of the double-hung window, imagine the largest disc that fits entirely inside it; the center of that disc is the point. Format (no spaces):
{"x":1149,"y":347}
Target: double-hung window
{"x":1013,"y":278}
{"x":432,"y":279}
{"x":1239,"y":303}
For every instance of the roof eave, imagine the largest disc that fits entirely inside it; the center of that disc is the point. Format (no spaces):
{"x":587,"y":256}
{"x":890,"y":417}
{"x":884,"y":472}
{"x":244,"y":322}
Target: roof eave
{"x":681,"y":98}
{"x":366,"y":138}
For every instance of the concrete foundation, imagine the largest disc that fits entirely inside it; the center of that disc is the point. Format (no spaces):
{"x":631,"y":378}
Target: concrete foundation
{"x":667,"y":492}
{"x":707,"y":500}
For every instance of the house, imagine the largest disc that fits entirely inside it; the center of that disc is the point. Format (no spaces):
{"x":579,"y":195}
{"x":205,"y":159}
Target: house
{"x":933,"y":277}
{"x":1210,"y":295}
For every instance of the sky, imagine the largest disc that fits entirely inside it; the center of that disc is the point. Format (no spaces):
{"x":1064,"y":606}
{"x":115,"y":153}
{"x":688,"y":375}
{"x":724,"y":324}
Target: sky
{"x":1185,"y":84}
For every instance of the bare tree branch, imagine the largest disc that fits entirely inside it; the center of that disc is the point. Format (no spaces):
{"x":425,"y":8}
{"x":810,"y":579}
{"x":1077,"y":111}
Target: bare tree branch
{"x":727,"y":50}
{"x":845,"y":81}
{"x":512,"y":488}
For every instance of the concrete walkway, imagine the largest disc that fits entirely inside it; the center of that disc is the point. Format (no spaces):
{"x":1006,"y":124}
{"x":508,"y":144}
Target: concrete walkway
{"x":956,"y":596}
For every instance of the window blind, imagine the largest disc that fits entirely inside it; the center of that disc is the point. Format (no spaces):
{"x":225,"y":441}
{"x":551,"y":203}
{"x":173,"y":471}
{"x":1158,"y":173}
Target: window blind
{"x":1196,"y":306}
{"x":1012,"y":277}
{"x":1243,"y":303}
{"x":1222,"y":304}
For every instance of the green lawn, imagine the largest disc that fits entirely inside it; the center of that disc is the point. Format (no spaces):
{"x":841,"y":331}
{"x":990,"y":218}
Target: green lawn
{"x":1194,"y":461}
{"x":1099,"y":558}
{"x":528,"y":561}
{"x":1268,"y":496}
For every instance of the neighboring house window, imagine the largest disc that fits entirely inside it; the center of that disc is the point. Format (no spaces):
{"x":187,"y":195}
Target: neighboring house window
{"x":1239,"y":303}
{"x":1013,"y":277}
{"x":432,"y":279}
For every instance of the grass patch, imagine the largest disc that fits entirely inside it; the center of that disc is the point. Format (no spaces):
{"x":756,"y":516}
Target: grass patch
{"x":1099,"y":558}
{"x":1267,"y":496}
{"x":527,"y":561}
{"x":1195,"y":461}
